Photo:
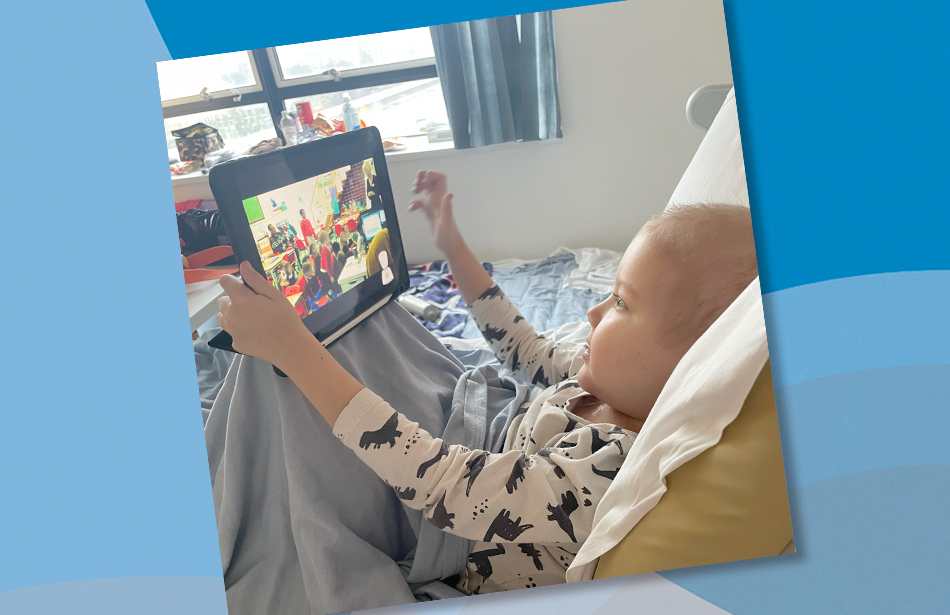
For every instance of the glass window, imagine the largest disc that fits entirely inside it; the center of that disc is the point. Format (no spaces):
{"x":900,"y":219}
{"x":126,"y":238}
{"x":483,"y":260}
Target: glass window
{"x":241,"y":127}
{"x":412,"y":108}
{"x":184,"y":78}
{"x":307,"y":59}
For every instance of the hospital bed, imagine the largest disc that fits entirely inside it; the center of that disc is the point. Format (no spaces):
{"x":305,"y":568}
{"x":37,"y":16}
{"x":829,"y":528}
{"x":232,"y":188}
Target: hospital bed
{"x":727,"y":501}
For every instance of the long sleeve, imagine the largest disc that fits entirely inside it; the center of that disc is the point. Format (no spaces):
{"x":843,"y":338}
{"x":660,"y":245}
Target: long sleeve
{"x":548,"y":497}
{"x":518,"y":346}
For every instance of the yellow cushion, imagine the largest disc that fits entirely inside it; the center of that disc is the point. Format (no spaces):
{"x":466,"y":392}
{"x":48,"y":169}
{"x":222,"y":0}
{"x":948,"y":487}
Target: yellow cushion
{"x":729,"y":503}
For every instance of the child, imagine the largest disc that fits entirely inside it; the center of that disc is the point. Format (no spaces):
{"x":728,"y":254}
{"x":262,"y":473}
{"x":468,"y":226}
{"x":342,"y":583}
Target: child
{"x":530,"y":506}
{"x":339,"y":262}
{"x":324,"y":260}
{"x":347,"y":245}
{"x":313,"y":283}
{"x":306,"y":227}
{"x":357,"y":241}
{"x":288,"y":276}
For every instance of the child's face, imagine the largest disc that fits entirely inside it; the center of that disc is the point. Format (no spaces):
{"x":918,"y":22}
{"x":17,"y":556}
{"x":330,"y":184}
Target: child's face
{"x":629,"y":359}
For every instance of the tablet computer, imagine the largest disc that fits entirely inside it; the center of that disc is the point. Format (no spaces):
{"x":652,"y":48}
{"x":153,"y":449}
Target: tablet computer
{"x":318,"y":221}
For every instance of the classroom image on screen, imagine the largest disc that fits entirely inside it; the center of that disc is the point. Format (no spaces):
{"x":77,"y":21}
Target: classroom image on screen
{"x":320,"y":237}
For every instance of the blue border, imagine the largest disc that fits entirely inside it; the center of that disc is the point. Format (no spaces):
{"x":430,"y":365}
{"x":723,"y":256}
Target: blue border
{"x":844,"y":136}
{"x":841,"y":107}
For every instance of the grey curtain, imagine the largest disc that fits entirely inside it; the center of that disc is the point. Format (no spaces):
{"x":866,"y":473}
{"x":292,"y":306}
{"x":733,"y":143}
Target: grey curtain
{"x":498,"y":86}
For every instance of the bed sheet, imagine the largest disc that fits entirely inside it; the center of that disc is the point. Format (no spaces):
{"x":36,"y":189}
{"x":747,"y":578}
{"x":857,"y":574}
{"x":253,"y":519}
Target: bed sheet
{"x":537,"y":288}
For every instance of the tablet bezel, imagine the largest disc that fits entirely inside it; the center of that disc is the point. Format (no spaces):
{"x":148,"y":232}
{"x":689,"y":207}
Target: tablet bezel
{"x":233,"y":181}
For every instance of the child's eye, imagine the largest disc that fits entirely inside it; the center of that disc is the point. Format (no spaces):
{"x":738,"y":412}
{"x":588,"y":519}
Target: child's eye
{"x":619,"y":302}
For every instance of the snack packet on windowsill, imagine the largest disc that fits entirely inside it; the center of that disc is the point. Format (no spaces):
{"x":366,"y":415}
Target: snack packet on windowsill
{"x":327,"y":127}
{"x":181,"y":168}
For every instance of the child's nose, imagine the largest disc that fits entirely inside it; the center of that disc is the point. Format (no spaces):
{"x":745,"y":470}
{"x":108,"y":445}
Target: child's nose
{"x":593,"y":316}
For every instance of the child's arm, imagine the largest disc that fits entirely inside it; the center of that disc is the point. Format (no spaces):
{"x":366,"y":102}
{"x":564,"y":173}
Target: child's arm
{"x":436,"y":202}
{"x":264,"y":324}
{"x":506,"y":497}
{"x":513,"y":340}
{"x":518,"y":346}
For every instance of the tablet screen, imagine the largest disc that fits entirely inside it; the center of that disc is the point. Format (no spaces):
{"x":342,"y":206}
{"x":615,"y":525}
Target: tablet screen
{"x":318,"y":220}
{"x":321,"y":237}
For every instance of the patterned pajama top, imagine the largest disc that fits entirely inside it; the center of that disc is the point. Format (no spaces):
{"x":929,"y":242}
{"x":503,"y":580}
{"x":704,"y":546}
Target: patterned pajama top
{"x":529,"y":507}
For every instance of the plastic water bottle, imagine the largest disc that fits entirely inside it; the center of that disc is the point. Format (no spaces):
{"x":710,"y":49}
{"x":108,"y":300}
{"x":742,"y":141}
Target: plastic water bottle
{"x":288,"y":127}
{"x":351,"y":115}
{"x":296,"y":120}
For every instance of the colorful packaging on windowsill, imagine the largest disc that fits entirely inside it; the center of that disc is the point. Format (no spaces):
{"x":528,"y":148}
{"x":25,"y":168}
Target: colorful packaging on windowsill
{"x":188,"y":166}
{"x":305,"y":113}
{"x":327,"y":127}
{"x":197,"y":141}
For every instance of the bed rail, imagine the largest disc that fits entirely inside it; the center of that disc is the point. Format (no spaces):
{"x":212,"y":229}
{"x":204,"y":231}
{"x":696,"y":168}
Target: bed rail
{"x":704,"y":104}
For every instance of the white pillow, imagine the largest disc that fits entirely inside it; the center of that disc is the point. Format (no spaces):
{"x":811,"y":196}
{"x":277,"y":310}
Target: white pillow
{"x":717,"y":171}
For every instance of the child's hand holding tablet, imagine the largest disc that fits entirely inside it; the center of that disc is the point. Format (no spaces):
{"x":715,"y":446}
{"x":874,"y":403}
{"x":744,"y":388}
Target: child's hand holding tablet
{"x":261,"y":321}
{"x":263,"y":324}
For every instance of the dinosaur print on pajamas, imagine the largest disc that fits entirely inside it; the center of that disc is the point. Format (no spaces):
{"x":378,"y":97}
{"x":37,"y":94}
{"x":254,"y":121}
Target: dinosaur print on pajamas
{"x":528,"y":505}
{"x":386,"y":434}
{"x":425,"y":465}
{"x":506,"y":528}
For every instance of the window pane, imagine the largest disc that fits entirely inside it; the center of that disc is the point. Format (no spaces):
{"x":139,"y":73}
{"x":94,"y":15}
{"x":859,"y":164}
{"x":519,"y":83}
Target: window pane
{"x":315,"y":58}
{"x":240,"y":127}
{"x":182,"y":78}
{"x":399,"y":110}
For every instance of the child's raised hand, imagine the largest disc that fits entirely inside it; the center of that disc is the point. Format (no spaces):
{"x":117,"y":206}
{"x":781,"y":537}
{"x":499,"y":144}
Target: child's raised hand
{"x":435,"y":200}
{"x":260,"y":319}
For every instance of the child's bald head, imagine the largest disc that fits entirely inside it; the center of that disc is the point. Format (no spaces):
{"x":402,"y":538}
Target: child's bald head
{"x":712,"y":253}
{"x":681,"y":272}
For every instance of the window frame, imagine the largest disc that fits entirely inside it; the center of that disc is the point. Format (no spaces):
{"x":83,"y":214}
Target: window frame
{"x":346,"y":73}
{"x":241,"y":91}
{"x":272,"y":90}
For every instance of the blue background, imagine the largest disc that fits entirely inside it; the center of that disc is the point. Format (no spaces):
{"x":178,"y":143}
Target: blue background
{"x":105,"y":501}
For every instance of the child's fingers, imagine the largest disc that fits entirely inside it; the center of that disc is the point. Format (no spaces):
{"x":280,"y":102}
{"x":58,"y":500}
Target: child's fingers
{"x":257,"y":282}
{"x":419,"y":204}
{"x":417,"y":183}
{"x":428,"y":179}
{"x":223,"y":322}
{"x":224,"y":306}
{"x":234,"y":287}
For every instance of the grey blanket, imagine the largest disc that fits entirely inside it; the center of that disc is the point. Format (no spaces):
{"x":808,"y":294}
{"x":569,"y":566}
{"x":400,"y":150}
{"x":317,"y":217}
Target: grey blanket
{"x":304,"y":526}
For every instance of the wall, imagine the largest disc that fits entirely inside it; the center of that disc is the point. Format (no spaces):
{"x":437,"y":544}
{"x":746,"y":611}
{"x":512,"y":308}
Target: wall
{"x":626,"y":70}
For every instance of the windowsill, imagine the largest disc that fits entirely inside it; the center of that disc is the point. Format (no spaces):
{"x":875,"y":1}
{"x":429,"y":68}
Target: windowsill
{"x":417,"y":149}
{"x":447,"y":148}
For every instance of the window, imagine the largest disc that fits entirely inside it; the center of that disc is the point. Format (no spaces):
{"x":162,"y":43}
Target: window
{"x":354,"y":55}
{"x":184,"y":80}
{"x":390,"y":77}
{"x":404,"y":110}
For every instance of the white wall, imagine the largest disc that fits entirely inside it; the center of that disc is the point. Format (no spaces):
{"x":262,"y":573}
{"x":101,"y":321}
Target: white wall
{"x":626,"y":70}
